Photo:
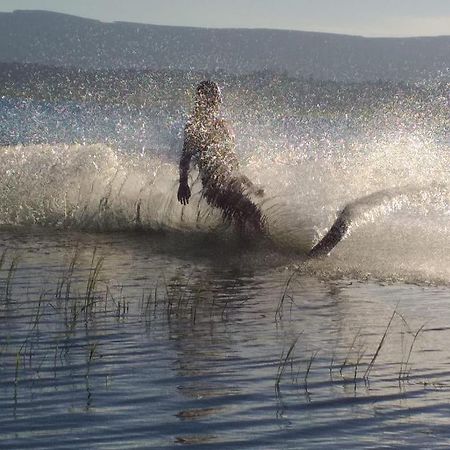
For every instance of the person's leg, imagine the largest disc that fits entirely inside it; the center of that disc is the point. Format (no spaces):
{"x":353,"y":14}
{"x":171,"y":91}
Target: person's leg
{"x":236,"y":206}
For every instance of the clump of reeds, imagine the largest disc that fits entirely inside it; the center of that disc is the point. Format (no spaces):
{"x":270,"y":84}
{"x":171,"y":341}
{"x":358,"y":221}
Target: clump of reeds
{"x":354,"y":358}
{"x":182,"y":300}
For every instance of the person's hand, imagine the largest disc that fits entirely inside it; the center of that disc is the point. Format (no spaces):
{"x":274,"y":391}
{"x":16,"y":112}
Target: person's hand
{"x":184,"y":193}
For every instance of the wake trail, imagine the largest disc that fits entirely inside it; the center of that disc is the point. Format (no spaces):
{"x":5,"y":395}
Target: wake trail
{"x":369,"y":208}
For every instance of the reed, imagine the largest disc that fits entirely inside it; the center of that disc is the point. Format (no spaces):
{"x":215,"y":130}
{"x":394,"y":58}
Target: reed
{"x":347,"y":357}
{"x":66,"y":279}
{"x":122,"y":310}
{"x":11,"y":272}
{"x":308,"y":368}
{"x":356,"y":366}
{"x":2,"y":258}
{"x":94,"y":273}
{"x":284,"y":358}
{"x":27,"y":343}
{"x":284,"y":295}
{"x":380,"y":346}
{"x":404,"y":366}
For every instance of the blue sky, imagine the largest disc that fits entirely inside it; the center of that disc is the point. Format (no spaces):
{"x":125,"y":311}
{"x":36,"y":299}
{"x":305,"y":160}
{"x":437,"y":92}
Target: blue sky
{"x":362,"y":17}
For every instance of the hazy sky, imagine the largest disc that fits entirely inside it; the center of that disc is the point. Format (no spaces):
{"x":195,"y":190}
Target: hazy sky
{"x":363,"y":17}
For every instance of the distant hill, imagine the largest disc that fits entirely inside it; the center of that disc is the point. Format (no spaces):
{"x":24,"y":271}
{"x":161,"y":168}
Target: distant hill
{"x":63,"y":40}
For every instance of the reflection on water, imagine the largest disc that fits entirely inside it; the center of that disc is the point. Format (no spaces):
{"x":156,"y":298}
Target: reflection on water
{"x":120,"y":341}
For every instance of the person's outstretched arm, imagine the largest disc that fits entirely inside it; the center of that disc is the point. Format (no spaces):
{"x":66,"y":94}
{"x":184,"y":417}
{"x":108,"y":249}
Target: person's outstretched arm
{"x":184,"y":192}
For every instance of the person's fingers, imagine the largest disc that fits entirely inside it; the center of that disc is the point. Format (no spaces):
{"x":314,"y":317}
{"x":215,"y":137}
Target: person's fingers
{"x":183,"y":195}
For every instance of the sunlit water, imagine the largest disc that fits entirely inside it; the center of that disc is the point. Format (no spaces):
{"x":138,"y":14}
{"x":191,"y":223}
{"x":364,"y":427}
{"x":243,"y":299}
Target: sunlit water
{"x":128,"y":321}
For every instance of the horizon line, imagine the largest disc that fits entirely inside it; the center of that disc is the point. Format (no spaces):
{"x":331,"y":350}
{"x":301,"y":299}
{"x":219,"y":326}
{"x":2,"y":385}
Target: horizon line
{"x":227,"y":27}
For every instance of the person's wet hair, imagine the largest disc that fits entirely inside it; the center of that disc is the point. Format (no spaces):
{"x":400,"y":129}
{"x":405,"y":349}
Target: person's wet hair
{"x":209,"y":91}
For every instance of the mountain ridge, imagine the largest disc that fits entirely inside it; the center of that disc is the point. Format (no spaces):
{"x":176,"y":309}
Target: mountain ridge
{"x":59,"y":39}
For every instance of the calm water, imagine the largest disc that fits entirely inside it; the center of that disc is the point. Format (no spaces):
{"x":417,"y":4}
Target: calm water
{"x":158,"y":341}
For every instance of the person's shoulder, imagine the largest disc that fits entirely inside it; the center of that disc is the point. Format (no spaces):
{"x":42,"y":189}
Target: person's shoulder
{"x":225,"y":125}
{"x":189,"y":127}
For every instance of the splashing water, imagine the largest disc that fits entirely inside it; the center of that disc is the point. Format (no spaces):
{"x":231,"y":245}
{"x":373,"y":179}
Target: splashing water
{"x":388,"y":171}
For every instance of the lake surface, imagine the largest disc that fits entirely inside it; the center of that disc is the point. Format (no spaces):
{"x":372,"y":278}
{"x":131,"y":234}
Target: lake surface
{"x":158,"y":341}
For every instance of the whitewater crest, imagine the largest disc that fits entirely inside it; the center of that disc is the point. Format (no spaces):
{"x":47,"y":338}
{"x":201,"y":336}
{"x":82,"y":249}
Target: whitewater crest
{"x":92,"y":187}
{"x":399,"y":231}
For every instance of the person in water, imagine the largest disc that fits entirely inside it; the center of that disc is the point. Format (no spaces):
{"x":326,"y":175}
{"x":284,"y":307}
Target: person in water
{"x":209,"y":140}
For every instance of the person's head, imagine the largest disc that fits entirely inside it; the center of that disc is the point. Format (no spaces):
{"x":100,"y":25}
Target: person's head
{"x":208,"y":95}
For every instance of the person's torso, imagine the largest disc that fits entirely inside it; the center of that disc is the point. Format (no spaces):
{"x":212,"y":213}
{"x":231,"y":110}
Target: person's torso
{"x":212,"y":144}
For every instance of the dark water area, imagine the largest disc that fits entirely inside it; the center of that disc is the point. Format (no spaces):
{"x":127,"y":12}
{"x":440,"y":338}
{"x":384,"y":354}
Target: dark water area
{"x":132,"y":341}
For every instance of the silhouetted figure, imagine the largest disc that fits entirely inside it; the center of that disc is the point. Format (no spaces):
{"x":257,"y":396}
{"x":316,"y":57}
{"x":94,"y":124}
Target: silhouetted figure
{"x":209,"y":140}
